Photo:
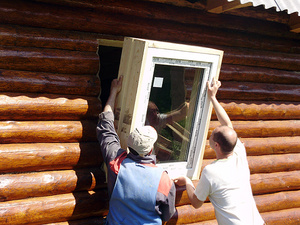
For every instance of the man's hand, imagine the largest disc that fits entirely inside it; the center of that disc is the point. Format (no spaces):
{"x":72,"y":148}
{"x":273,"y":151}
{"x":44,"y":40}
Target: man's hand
{"x":180,"y":181}
{"x":115,"y":88}
{"x":213,"y":88}
{"x":116,"y":85}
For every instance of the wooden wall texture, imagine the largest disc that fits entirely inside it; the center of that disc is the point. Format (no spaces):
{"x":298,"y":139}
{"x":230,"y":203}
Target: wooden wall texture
{"x":50,"y":170}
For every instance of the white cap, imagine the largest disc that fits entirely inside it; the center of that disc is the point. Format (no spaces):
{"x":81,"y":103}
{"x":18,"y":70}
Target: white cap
{"x":142,"y":139}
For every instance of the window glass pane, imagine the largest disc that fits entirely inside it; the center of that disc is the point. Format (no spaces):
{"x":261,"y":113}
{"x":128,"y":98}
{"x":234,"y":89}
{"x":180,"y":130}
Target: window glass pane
{"x":172,"y":108}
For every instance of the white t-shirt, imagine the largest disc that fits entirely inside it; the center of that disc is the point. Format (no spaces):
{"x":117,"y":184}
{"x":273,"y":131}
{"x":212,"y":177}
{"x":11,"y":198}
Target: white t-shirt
{"x":227,"y":184}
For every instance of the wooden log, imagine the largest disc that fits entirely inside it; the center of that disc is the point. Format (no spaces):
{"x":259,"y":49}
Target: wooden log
{"x":259,"y":58}
{"x":263,"y":146}
{"x":47,"y":131}
{"x":286,"y":217}
{"x":48,"y":156}
{"x":51,"y":209}
{"x":259,"y":92}
{"x":278,"y":201}
{"x":274,"y":163}
{"x":275,"y":182}
{"x":265,"y":203}
{"x":39,"y":184}
{"x":89,"y":221}
{"x":17,"y":106}
{"x":247,"y":110}
{"x":260,"y":183}
{"x":270,"y":163}
{"x":152,"y":11}
{"x":99,"y":23}
{"x":249,"y":129}
{"x":13,"y":35}
{"x":38,"y":82}
{"x":48,"y":60}
{"x":231,"y":72}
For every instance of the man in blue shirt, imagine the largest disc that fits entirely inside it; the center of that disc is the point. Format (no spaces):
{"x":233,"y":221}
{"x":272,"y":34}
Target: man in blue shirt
{"x":139,"y":191}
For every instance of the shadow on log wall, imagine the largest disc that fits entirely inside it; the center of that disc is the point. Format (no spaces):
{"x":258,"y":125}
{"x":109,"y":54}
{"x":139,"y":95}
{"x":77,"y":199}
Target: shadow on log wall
{"x":50,"y":171}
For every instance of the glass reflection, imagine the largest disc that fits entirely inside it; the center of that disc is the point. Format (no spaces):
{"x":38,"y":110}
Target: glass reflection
{"x":172,"y":105}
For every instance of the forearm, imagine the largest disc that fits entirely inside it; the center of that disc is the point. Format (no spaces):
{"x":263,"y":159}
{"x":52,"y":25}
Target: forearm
{"x":110,"y":104}
{"x":221,"y":113}
{"x":190,"y":189}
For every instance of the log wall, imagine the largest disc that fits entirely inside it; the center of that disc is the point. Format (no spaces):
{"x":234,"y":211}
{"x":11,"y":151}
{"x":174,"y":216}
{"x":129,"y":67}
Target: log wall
{"x":50,"y":171}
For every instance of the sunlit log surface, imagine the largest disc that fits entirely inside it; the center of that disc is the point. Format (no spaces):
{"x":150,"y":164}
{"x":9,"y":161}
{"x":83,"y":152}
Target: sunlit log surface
{"x":265,"y":203}
{"x":289,"y":216}
{"x":47,"y":131}
{"x":264,"y":146}
{"x":248,"y":110}
{"x":48,"y":156}
{"x":38,"y":184}
{"x":54,"y":208}
{"x":252,"y":129}
{"x":261,"y":184}
{"x":18,"y":106}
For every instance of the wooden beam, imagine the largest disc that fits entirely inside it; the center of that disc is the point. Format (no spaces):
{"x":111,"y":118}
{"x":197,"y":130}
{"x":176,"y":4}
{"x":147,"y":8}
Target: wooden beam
{"x":47,"y":131}
{"x":271,"y":128}
{"x":220,"y":6}
{"x":48,"y":156}
{"x":20,"y":106}
{"x":56,"y":208}
{"x":264,"y":146}
{"x":39,"y":184}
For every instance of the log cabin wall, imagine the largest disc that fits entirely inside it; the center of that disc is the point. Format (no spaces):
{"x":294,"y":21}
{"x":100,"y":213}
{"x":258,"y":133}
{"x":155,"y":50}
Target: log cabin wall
{"x":50,"y":160}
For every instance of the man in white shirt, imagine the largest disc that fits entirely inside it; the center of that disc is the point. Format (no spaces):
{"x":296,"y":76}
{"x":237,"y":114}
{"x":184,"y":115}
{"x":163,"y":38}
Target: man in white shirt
{"x":226,"y":181}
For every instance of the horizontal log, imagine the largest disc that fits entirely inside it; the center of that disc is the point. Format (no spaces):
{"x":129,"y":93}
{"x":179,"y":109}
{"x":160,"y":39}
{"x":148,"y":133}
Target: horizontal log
{"x":275,"y":182}
{"x":263,"y":146}
{"x":48,"y":156}
{"x":89,"y":221}
{"x":47,"y":131}
{"x":278,"y":201}
{"x":259,"y":92}
{"x":39,"y":184}
{"x":51,"y":209}
{"x":265,"y":203}
{"x":239,"y":110}
{"x":86,"y":20}
{"x":273,"y":145}
{"x":48,"y":60}
{"x":38,"y":82}
{"x":274,"y":163}
{"x":13,"y":35}
{"x":254,"y":74}
{"x":152,"y":11}
{"x":261,"y":184}
{"x":269,"y":163}
{"x":249,"y":129}
{"x":259,"y":58}
{"x":286,"y":217}
{"x":17,"y":106}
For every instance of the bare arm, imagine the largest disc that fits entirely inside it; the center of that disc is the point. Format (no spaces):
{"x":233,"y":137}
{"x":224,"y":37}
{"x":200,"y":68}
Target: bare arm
{"x":212,"y":90}
{"x":190,"y":189}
